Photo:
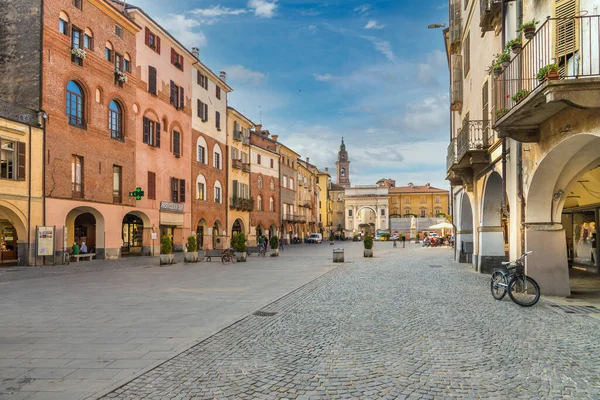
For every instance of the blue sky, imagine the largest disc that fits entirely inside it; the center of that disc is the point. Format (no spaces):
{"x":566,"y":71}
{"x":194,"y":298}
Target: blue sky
{"x":314,"y":71}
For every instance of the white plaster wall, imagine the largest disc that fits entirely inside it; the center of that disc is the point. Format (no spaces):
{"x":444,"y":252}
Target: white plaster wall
{"x":209,"y":97}
{"x":265,"y":164}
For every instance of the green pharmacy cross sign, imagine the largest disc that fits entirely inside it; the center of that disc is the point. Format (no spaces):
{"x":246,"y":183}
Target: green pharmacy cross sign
{"x":138,"y":193}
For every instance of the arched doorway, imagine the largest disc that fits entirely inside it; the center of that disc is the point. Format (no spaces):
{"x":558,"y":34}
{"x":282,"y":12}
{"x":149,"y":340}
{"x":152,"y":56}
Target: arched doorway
{"x":464,"y":234}
{"x":86,"y":225}
{"x":367,"y":220}
{"x":217,"y":240}
{"x":132,"y":235}
{"x":12,"y":231}
{"x":200,"y":232}
{"x":562,"y":212}
{"x":272,"y":231}
{"x":238,"y":227}
{"x":492,"y":236}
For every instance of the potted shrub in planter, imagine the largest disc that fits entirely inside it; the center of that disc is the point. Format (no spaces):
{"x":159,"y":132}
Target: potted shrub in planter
{"x":78,"y":52}
{"x":368,"y":243}
{"x":238,"y":242}
{"x":274,"y":243}
{"x":549,"y":72}
{"x":166,"y":250}
{"x":500,"y":112}
{"x":520,"y":95}
{"x":528,"y":29}
{"x":192,"y":254}
{"x":516,"y":45}
{"x":504,"y":59}
{"x":418,"y":237}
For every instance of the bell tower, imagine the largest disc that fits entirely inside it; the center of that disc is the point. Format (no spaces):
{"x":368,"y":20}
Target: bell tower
{"x":343,"y":166}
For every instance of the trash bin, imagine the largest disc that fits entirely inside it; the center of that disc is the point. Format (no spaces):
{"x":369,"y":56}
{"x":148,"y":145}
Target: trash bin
{"x":338,"y":255}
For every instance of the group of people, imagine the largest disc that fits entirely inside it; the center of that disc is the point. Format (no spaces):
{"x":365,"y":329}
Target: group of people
{"x":402,"y":238}
{"x":263,"y":243}
{"x":75,"y":249}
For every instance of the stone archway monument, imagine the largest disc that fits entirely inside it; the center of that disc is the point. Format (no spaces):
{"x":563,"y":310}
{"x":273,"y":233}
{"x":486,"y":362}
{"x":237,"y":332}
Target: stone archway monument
{"x":366,"y":205}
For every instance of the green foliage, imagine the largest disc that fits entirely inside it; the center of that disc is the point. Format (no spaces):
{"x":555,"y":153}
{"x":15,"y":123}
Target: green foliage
{"x":238,"y":242}
{"x":528,"y":24}
{"x":274,"y":242}
{"x":513,"y":43}
{"x":191,"y":243}
{"x":386,"y":236}
{"x":368,"y":242}
{"x":544,"y":71}
{"x":418,"y":236}
{"x":500,"y":112}
{"x":166,"y":245}
{"x":355,"y":237}
{"x":520,"y":95}
{"x":331,"y":238}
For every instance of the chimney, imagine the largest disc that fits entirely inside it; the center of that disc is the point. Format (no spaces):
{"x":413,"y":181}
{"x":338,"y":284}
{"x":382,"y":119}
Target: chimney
{"x":428,"y":185}
{"x":258,"y":128}
{"x":196,"y":52}
{"x":327,"y":170}
{"x":308,"y":160}
{"x":275,"y":137}
{"x":223,"y":76}
{"x":410,"y":184}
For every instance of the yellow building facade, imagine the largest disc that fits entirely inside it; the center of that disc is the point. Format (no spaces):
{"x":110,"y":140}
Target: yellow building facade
{"x":325,"y":205}
{"x":21,"y":185}
{"x":422,"y":201}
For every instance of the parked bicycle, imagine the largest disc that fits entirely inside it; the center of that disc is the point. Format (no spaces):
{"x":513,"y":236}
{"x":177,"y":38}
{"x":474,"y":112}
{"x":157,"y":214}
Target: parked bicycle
{"x":521,"y":288}
{"x":228,"y":256}
{"x":262,"y":250}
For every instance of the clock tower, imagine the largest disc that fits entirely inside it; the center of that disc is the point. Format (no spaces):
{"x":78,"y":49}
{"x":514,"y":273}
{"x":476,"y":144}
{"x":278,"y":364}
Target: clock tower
{"x":343,"y":166}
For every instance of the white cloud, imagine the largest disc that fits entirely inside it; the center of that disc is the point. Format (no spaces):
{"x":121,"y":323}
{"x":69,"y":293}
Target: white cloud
{"x":218,"y":11}
{"x":429,"y":115}
{"x":183,"y":29}
{"x":382,"y":46}
{"x":263,"y":8}
{"x":373,"y":24}
{"x":324,"y":78}
{"x":428,"y":73}
{"x":310,"y":13}
{"x":363,"y":9}
{"x":239,"y":73}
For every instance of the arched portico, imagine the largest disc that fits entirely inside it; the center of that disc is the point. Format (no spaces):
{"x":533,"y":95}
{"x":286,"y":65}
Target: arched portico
{"x":201,"y":232}
{"x":86,"y":225}
{"x":464,"y":234}
{"x":217,"y":237}
{"x":555,"y":181}
{"x":490,"y":231}
{"x":137,"y":234}
{"x":13,"y":235}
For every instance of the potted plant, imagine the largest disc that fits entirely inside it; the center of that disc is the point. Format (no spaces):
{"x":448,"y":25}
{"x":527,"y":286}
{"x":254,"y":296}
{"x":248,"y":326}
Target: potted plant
{"x":192,"y":254}
{"x":500,"y":112}
{"x":520,"y":95}
{"x":504,"y":59}
{"x":238,"y":242}
{"x":368,"y":243}
{"x":549,"y":72}
{"x":120,"y":76}
{"x":528,"y":29}
{"x":166,"y":250}
{"x":355,"y":238}
{"x":274,"y":242}
{"x":516,"y":45}
{"x":78,"y":52}
{"x":418,"y":237}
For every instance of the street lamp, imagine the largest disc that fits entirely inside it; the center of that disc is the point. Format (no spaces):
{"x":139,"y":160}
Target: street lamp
{"x":435,"y":26}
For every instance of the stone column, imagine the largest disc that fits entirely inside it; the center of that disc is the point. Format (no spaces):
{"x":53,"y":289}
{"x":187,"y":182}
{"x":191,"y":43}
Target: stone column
{"x":491,"y":248}
{"x":548,"y":263}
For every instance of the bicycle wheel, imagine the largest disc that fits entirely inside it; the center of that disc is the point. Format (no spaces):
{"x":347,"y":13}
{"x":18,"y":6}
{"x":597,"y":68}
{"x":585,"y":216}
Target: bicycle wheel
{"x":226,"y":259}
{"x":524,"y":291}
{"x":496,"y":285}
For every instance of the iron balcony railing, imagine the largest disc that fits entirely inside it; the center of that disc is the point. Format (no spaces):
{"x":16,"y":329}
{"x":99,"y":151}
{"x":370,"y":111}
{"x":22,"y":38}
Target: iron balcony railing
{"x":237,"y":164}
{"x":451,"y":158}
{"x":455,"y":26}
{"x":472,"y":136}
{"x":241,"y":204}
{"x":572,"y":44}
{"x":237,"y":136}
{"x":246,"y":167}
{"x":456,"y":90}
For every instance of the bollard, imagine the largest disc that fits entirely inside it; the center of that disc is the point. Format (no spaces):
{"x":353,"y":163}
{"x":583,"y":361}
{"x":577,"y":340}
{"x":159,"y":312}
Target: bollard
{"x":338,"y":255}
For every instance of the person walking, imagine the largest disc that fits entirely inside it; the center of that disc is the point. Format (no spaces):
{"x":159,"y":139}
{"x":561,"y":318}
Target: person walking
{"x":281,"y":244}
{"x":403,"y":240}
{"x":261,"y":242}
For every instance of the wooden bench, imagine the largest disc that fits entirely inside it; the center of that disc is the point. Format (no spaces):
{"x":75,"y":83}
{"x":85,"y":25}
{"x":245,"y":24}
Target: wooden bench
{"x":88,"y":256}
{"x":252,"y":249}
{"x":217,"y":253}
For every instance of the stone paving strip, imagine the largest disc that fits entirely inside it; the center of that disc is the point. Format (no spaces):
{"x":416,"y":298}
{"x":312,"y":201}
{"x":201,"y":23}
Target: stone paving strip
{"x":388,"y":328}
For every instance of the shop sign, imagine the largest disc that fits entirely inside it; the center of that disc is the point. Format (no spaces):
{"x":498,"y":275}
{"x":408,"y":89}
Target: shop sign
{"x":171,"y":207}
{"x":45,"y":241}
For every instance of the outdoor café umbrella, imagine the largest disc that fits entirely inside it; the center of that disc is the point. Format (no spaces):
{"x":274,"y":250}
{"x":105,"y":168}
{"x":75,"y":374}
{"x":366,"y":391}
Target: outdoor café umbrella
{"x":443,"y":226}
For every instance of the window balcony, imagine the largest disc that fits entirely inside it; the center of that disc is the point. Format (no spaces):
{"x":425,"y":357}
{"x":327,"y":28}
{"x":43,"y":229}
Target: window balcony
{"x":236,"y":164}
{"x":525,"y":96}
{"x":490,"y":12}
{"x":456,"y":91}
{"x":241,"y":204}
{"x":468,"y":152}
{"x":455,"y":26}
{"x":237,"y":136}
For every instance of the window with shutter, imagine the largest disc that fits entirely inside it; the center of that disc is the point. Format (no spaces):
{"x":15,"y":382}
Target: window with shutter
{"x":218,"y":120}
{"x":151,"y":185}
{"x":147,"y":36}
{"x":173,"y":97}
{"x":181,"y":99}
{"x":157,"y":136}
{"x":206,"y":113}
{"x":182,"y":190}
{"x":146,"y":130}
{"x":176,"y":144}
{"x":567,"y":37}
{"x":467,"y":54}
{"x":174,"y":190}
{"x":152,"y":79}
{"x":21,"y":157}
{"x":218,"y":92}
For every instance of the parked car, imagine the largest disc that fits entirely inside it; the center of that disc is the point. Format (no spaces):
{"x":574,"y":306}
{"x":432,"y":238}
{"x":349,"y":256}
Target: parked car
{"x":315,"y":238}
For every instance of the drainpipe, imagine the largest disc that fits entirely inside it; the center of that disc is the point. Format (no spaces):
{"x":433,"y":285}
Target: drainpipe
{"x":504,"y":139}
{"x":29,"y":202}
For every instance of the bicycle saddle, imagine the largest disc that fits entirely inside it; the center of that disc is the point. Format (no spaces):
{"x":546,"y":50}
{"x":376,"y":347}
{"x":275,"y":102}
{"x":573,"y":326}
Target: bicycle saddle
{"x":505,"y":263}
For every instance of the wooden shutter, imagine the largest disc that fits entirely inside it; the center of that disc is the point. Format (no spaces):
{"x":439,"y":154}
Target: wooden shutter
{"x":176,"y":143}
{"x":180,"y":61}
{"x":485,"y":101}
{"x":206,"y":112}
{"x":198,"y":77}
{"x":199,"y":109}
{"x":181,"y":98}
{"x":173,"y":97}
{"x":21,"y":157}
{"x":218,"y":120}
{"x":174,"y":190}
{"x":152,"y":80}
{"x":147,"y":36}
{"x":567,"y":35}
{"x":151,"y":185}
{"x":147,"y":130}
{"x":172,"y":56}
{"x":157,"y":42}
{"x":235,"y":189}
{"x":182,"y":190}
{"x":157,"y":136}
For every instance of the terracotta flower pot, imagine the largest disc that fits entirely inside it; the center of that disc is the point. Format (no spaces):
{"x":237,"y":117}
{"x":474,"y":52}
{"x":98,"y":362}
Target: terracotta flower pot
{"x":553,"y":76}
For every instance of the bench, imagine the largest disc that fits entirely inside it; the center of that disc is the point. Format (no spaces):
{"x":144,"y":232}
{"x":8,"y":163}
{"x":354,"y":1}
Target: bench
{"x":252,"y":250}
{"x":88,"y":256}
{"x":208,"y":254}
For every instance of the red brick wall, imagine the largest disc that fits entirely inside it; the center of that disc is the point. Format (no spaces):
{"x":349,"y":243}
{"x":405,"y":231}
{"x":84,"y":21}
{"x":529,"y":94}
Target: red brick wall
{"x":94,"y":143}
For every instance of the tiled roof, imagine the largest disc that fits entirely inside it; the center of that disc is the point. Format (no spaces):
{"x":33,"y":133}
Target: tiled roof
{"x":417,"y":189}
{"x":337,"y":187}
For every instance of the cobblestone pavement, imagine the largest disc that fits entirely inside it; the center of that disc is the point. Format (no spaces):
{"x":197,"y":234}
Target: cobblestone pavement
{"x":392,"y":327}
